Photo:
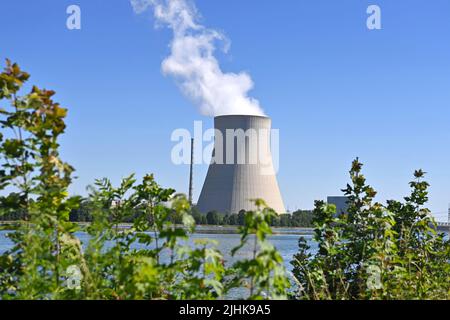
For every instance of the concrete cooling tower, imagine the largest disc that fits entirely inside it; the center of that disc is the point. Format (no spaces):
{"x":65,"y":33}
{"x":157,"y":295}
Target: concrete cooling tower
{"x":241,"y":167}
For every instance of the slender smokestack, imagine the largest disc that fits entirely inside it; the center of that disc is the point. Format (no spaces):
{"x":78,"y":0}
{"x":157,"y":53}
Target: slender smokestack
{"x":191,"y":172}
{"x":234,"y":178}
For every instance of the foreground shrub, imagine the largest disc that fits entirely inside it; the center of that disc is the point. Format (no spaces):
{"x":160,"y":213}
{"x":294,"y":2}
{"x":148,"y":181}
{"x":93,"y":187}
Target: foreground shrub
{"x":374,"y":251}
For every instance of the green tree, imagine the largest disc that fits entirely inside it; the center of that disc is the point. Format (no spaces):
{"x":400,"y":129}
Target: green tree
{"x":233,"y":220}
{"x":196,"y":214}
{"x":285,"y":220}
{"x":213,"y":218}
{"x":31,"y":125}
{"x":302,"y":218}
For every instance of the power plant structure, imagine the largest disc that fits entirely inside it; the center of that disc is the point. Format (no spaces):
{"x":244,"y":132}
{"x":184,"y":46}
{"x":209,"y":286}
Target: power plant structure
{"x":241,"y":167}
{"x":341,"y":203}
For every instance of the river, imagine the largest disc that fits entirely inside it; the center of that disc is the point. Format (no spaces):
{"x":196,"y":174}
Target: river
{"x":285,"y":240}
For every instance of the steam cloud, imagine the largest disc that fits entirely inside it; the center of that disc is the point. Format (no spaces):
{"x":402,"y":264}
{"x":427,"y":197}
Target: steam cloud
{"x":193,"y":64}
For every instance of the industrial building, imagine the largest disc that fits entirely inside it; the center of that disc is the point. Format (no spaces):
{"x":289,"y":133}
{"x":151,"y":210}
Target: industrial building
{"x":241,"y":167}
{"x":341,"y":203}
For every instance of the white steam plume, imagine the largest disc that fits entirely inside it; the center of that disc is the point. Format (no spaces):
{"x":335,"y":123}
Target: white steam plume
{"x":193,"y":64}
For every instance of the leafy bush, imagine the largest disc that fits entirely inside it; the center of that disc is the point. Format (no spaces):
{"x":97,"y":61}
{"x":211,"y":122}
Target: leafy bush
{"x":265,"y":270}
{"x":375,"y":251}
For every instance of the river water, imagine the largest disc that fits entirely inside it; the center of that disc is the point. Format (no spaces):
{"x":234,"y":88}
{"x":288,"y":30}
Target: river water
{"x":285,"y":240}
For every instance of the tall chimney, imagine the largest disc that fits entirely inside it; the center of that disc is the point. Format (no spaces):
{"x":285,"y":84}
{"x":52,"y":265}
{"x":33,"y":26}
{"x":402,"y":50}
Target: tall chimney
{"x":231,"y":183}
{"x":191,"y":169}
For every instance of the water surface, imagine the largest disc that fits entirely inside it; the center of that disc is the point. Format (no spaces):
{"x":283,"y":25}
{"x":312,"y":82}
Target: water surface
{"x":285,"y":242}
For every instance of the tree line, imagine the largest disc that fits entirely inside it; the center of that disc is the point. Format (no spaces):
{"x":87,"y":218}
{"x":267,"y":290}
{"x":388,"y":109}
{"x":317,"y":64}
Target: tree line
{"x":300,"y":218}
{"x":297,"y":219}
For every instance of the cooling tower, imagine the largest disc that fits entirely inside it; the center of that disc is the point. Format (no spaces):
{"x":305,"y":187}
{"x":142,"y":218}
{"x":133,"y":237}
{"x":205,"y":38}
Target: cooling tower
{"x":241,"y":167}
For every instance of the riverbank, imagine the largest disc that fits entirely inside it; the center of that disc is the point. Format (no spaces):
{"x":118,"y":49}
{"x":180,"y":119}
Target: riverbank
{"x":201,"y":229}
{"x":208,"y":229}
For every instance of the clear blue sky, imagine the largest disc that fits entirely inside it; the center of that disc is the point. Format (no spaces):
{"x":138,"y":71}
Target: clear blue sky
{"x":334,"y":89}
